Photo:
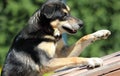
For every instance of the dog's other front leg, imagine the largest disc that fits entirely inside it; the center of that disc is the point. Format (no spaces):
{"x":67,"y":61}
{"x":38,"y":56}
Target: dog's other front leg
{"x":71,"y":61}
{"x":79,"y":46}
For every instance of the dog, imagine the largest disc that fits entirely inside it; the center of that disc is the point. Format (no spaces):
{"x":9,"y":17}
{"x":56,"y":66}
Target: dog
{"x":39,"y":47}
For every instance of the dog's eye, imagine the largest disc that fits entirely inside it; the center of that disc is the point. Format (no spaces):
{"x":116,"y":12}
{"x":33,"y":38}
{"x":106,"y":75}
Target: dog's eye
{"x":65,"y":14}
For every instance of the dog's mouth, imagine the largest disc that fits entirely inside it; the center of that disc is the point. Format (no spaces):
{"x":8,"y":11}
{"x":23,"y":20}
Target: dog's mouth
{"x":72,"y":31}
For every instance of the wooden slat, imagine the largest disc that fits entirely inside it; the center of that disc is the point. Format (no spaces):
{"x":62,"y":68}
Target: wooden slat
{"x":111,"y":55}
{"x":102,"y":70}
{"x":115,"y":73}
{"x":111,"y":67}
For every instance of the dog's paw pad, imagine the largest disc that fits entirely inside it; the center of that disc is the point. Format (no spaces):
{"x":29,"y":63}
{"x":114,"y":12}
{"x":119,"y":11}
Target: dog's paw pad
{"x":102,"y":34}
{"x":94,"y":62}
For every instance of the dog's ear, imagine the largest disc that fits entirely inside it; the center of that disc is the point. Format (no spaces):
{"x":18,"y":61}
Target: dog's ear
{"x":48,"y":10}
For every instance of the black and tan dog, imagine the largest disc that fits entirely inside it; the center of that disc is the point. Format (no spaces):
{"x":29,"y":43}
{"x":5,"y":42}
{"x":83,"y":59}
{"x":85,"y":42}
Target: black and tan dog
{"x":39,"y":47}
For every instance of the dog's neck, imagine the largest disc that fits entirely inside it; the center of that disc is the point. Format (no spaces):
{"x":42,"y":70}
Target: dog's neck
{"x":57,"y":34}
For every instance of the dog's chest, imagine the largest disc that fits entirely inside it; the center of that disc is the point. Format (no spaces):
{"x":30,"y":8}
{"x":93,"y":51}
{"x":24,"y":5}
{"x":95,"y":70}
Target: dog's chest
{"x":48,"y":47}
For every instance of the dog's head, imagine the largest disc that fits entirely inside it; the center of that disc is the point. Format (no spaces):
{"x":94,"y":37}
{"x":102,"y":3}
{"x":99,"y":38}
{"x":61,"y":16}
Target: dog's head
{"x":58,"y":13}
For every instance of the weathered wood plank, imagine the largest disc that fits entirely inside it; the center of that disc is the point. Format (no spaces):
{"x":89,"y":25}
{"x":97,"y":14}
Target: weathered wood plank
{"x":111,"y":67}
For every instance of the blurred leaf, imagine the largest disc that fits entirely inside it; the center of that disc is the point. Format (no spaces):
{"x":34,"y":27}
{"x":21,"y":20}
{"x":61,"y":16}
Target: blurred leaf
{"x":2,"y":38}
{"x":116,"y":22}
{"x":116,"y":5}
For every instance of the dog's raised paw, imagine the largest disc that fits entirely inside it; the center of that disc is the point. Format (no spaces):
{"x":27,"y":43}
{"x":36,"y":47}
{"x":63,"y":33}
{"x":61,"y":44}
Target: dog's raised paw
{"x":102,"y":34}
{"x":94,"y":62}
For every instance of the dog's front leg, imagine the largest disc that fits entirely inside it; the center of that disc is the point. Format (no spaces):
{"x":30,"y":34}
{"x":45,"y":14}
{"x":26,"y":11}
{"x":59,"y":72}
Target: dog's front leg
{"x":71,"y":61}
{"x":79,"y":46}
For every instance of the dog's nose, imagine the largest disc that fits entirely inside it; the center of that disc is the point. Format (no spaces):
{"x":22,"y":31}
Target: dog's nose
{"x":80,"y":25}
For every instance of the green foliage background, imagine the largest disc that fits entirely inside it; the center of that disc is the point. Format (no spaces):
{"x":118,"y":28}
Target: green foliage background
{"x":96,"y":14}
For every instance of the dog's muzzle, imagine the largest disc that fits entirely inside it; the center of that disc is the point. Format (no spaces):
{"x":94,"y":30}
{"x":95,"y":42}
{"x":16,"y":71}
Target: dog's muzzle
{"x":72,"y":28}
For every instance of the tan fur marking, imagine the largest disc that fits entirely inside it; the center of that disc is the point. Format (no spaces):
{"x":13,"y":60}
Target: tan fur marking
{"x":48,"y":47}
{"x":64,"y":10}
{"x":56,"y":32}
{"x":49,"y":37}
{"x":59,"y":62}
{"x":55,"y":23}
{"x":63,"y":22}
{"x":68,"y":8}
{"x":85,"y":38}
{"x":37,"y":68}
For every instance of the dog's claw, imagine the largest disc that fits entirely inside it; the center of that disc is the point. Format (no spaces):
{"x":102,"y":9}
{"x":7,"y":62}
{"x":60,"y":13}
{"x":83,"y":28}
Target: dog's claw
{"x":94,"y":62}
{"x":102,"y":34}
